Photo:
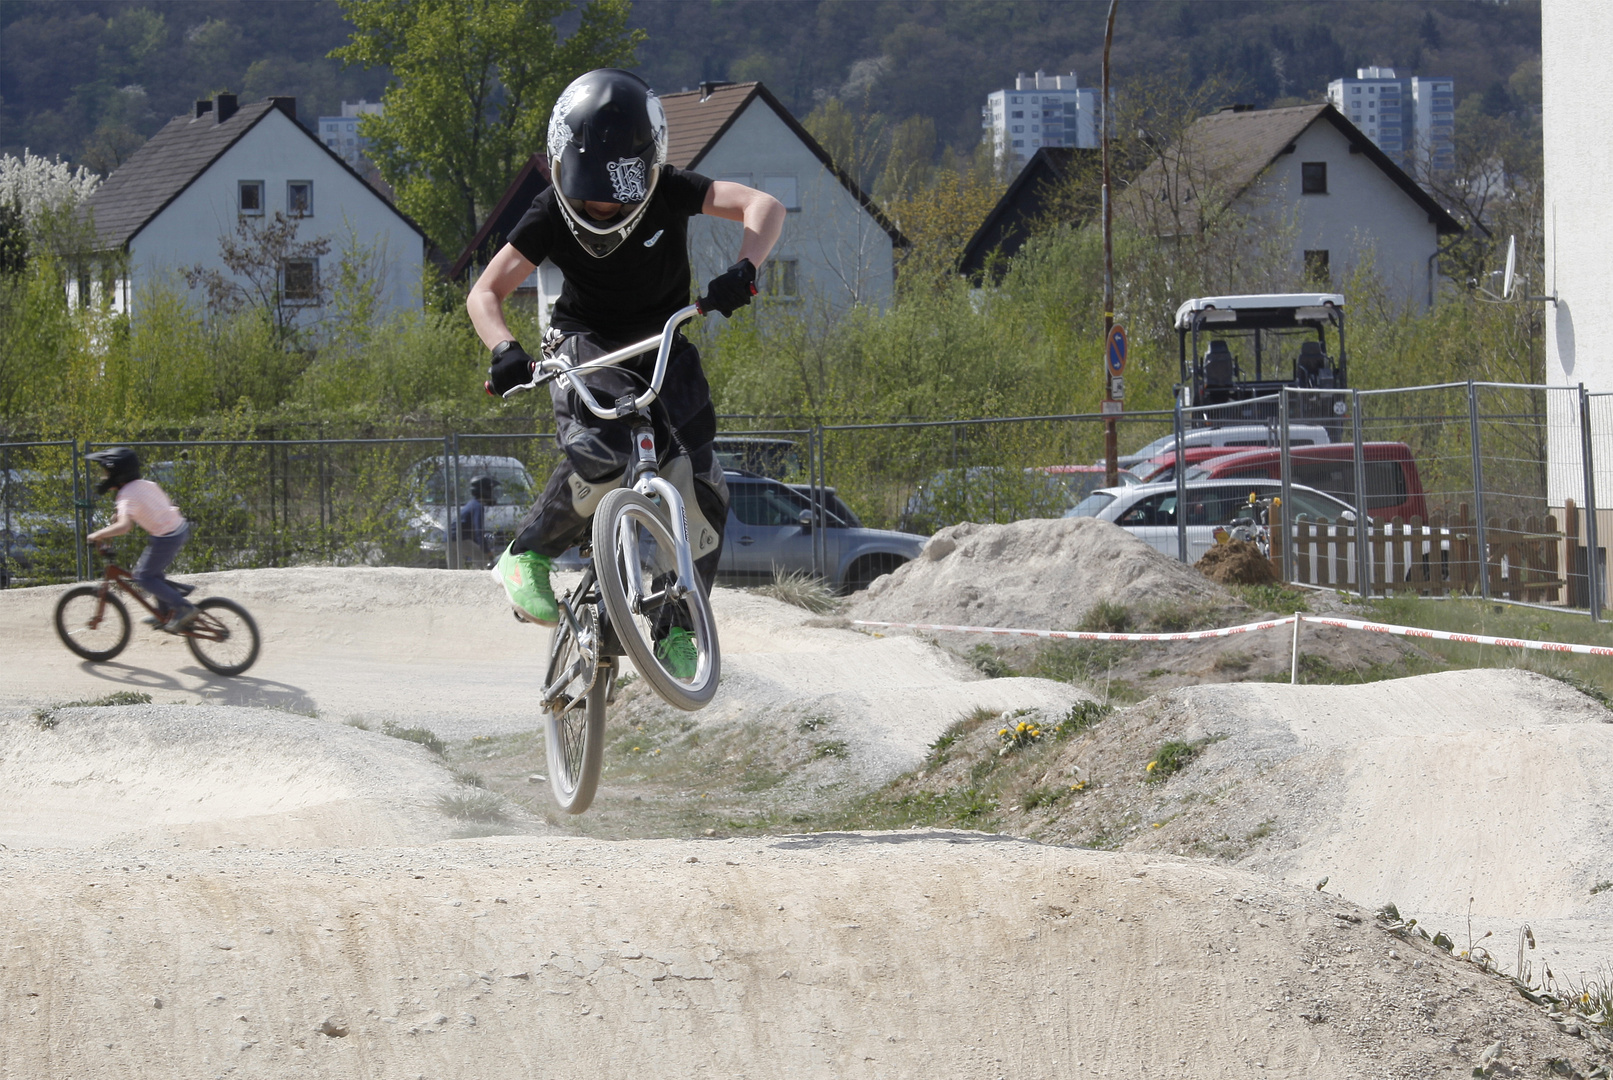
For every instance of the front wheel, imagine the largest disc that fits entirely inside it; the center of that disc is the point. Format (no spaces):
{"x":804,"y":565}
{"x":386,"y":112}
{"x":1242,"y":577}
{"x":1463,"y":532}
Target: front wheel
{"x":94,"y":626}
{"x":223,"y":637}
{"x":663,"y":624}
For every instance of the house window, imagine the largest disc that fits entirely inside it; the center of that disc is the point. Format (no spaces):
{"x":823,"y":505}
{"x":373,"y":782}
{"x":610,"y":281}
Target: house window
{"x":1018,"y":128}
{"x":1313,"y":178}
{"x":783,"y":188}
{"x":251,"y":198}
{"x":300,"y":281}
{"x":300,"y":198}
{"x":782,"y":278}
{"x":1317,"y":271}
{"x":1019,"y":114}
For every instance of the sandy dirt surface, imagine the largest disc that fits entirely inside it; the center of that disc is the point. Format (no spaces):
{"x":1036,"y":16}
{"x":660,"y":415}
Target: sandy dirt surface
{"x":197,"y":888}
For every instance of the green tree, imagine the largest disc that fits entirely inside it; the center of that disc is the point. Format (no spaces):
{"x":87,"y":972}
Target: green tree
{"x":473,"y":83}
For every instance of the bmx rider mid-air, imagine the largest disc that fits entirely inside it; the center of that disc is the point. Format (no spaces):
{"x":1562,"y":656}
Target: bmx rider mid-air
{"x":615,"y":221}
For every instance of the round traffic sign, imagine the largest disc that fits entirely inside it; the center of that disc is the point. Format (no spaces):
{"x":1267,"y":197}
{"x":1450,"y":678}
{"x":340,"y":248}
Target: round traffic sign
{"x":1115,"y":351}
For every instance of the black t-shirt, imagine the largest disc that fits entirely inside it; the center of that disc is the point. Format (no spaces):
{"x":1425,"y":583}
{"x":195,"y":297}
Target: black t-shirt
{"x":629,"y":294}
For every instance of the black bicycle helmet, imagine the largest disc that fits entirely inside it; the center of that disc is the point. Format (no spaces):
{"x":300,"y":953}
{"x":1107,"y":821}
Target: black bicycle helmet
{"x":120,"y":464}
{"x":483,"y":488}
{"x":607,"y":143}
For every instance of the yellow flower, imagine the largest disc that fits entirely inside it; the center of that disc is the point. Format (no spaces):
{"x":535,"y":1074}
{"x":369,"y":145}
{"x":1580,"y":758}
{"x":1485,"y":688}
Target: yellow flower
{"x":1152,"y":765}
{"x":1158,"y":824}
{"x":1004,"y":731}
{"x":636,"y":749}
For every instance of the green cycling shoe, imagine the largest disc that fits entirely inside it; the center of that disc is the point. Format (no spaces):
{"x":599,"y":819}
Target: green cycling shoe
{"x":525,"y":578}
{"x":678,"y":653}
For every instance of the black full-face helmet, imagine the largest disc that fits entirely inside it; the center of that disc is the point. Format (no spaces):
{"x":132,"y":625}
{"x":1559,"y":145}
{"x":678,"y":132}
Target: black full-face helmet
{"x":607,"y":143}
{"x":120,"y":464}
{"x":483,"y":488}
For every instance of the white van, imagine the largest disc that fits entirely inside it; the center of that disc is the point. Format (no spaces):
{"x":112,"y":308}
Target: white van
{"x":1237,"y":436}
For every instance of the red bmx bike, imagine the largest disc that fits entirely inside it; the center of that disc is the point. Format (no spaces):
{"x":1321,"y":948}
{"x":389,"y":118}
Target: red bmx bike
{"x":93,"y":621}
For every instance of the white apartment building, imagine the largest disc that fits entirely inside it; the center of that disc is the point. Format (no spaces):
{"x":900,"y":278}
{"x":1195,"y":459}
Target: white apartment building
{"x":1409,"y":119}
{"x":1043,"y":110}
{"x":340,"y":133}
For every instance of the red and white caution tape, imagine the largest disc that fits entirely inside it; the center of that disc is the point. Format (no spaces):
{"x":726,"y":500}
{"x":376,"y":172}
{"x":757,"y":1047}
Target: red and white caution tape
{"x":1087,"y":635}
{"x":1447,"y":635}
{"x":1270,"y":624}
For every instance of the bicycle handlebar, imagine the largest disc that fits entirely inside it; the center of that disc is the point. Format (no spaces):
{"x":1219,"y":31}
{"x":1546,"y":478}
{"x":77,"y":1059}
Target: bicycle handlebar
{"x":546,"y":370}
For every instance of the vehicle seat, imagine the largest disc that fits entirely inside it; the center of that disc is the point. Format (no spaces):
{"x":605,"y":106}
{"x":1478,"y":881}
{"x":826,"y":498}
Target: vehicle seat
{"x":1312,"y":368}
{"x":1220,"y":372}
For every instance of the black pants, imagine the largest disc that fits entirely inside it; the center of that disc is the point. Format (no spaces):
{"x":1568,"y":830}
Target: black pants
{"x":598,"y":452}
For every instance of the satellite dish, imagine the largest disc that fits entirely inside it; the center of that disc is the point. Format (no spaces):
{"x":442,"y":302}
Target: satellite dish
{"x":1512,"y":267}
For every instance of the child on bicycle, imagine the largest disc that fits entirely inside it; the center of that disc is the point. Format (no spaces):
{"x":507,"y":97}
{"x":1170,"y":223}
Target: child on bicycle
{"x":615,"y":221}
{"x":141,"y":502}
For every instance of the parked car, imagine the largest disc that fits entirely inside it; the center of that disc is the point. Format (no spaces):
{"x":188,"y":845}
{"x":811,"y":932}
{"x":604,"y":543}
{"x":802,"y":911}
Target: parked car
{"x":430,"y":514}
{"x":1234,"y":436}
{"x":38,"y":527}
{"x":997,"y":494}
{"x":1148,"y":511}
{"x":769,"y":530}
{"x":831,"y":502}
{"x":1394,"y":488}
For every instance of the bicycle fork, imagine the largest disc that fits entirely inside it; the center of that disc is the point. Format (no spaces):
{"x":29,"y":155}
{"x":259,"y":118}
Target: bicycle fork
{"x":649,"y":483}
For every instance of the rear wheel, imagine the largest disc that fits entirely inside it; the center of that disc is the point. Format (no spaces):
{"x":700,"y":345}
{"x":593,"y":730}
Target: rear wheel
{"x":223,"y":637}
{"x":866,"y":569}
{"x":574,"y":720}
{"x":93,"y":626}
{"x":635,"y":557}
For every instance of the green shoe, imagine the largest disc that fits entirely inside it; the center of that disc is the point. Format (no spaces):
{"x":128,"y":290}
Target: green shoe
{"x":525,"y":578}
{"x":677,"y":651}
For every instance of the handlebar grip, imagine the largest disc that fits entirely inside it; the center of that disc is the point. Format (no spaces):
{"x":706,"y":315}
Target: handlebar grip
{"x":488,"y":386}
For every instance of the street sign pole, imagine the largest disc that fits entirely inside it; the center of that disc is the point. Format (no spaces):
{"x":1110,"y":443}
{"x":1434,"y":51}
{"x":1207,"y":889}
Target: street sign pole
{"x":1111,"y":452}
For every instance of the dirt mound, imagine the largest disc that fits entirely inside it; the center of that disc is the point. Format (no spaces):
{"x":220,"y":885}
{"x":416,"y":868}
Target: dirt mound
{"x":1035,"y":574}
{"x":862,"y":955}
{"x":203,"y":775}
{"x":1236,"y":563}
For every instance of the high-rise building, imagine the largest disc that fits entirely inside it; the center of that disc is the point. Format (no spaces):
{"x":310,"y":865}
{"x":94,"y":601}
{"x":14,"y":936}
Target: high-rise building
{"x":340,"y":133}
{"x":1043,"y":110}
{"x":1410,"y":119}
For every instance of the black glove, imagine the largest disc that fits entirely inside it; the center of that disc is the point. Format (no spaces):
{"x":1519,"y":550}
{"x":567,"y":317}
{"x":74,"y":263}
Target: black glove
{"x":730,"y":290}
{"x":511,"y":367}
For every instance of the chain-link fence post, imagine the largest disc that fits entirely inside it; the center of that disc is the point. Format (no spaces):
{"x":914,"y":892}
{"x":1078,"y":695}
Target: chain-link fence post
{"x":81,"y":516}
{"x":450,"y":517}
{"x":1285,"y":474}
{"x":1593,"y":571}
{"x":1181,"y":486}
{"x":1363,"y":523}
{"x":1483,"y":550}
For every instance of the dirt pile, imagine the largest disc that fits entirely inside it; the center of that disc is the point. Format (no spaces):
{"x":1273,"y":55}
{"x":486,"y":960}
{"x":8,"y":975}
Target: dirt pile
{"x":1238,"y":562}
{"x":1035,"y":574}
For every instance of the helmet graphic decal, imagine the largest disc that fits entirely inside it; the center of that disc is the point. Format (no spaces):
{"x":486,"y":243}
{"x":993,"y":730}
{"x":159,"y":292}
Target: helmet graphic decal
{"x":658,"y":126}
{"x":559,"y":130}
{"x":627,"y":180}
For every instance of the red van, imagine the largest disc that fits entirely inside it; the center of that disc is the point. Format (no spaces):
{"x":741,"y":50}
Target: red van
{"x":1393,"y":487}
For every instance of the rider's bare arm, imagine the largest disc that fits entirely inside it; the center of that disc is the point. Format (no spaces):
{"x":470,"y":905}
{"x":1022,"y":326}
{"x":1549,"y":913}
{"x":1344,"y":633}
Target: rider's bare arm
{"x":486,"y":300}
{"x":761,"y":214}
{"x":121,"y":524}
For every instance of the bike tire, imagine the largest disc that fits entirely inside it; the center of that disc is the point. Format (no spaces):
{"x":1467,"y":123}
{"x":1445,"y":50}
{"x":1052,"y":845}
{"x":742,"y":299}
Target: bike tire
{"x":224,"y":636}
{"x":621,"y":523}
{"x":75,"y":613}
{"x":574,"y":738}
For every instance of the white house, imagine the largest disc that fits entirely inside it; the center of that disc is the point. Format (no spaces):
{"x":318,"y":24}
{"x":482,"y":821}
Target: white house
{"x":1310,"y":169}
{"x":837,"y":249}
{"x":193,"y":182}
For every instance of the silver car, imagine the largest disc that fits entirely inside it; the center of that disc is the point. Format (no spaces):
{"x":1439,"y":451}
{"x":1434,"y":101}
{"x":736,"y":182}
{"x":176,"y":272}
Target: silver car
{"x":1148,"y":511}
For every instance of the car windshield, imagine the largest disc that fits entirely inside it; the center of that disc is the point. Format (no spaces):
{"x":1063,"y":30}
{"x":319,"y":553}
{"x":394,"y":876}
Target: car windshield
{"x":514,"y":482}
{"x":1092,"y":505}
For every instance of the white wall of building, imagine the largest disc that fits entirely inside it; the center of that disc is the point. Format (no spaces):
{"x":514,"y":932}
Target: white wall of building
{"x":1575,"y":38}
{"x":1043,"y":110}
{"x":1363,"y":210}
{"x":277,"y":151}
{"x":842,"y":256}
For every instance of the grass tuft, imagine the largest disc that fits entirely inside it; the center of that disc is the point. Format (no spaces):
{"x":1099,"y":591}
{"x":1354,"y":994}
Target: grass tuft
{"x":424,"y":736}
{"x":475,"y":805}
{"x":46,"y":718}
{"x":1106,"y":617}
{"x":801,"y":589}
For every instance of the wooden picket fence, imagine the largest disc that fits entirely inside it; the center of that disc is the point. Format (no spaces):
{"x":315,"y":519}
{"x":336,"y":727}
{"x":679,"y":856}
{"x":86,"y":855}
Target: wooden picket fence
{"x":1438,"y":557}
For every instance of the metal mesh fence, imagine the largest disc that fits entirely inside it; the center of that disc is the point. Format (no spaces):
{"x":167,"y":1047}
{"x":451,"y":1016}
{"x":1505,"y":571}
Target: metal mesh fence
{"x":1471,"y":487}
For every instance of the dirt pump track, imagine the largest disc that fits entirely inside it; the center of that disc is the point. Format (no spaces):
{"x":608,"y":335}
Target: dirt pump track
{"x":213,"y":884}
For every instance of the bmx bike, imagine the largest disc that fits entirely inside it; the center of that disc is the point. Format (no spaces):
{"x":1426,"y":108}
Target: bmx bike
{"x":93,"y":621}
{"x":638,"y":581}
{"x":1253,"y":523}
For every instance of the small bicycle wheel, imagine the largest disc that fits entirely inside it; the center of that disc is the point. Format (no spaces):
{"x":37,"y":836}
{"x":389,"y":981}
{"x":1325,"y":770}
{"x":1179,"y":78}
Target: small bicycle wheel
{"x":574,"y":724}
{"x":93,"y":627}
{"x":223,"y":637}
{"x":635,"y":558}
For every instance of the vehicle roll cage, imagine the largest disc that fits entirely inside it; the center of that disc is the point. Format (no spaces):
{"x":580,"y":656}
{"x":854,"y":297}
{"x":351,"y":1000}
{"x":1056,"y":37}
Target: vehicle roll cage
{"x":1213,"y":380}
